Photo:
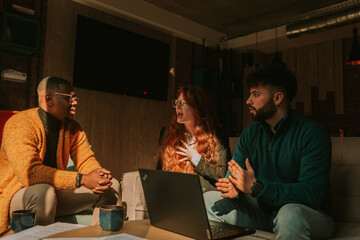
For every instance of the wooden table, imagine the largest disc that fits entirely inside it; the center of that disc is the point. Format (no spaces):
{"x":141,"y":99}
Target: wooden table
{"x":139,"y":228}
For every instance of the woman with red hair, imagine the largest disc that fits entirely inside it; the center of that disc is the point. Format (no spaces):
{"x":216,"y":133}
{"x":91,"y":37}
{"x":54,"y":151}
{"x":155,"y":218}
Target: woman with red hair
{"x":193,"y":143}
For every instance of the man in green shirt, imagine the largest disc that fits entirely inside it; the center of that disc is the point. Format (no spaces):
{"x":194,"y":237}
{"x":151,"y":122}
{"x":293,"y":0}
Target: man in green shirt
{"x":279,"y":177}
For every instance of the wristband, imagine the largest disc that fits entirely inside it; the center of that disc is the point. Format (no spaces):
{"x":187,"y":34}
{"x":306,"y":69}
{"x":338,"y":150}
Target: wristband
{"x":256,"y":188}
{"x":78,"y":180}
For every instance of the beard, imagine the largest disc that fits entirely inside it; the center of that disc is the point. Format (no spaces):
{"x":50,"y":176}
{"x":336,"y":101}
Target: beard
{"x":264,"y":113}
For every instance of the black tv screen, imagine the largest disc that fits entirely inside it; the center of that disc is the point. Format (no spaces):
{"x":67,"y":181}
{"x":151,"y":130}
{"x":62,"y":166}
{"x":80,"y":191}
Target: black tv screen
{"x":115,"y":60}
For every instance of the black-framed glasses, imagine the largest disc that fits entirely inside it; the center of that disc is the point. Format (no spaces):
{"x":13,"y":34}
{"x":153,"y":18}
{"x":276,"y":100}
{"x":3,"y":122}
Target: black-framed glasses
{"x":71,"y":97}
{"x":175,"y":102}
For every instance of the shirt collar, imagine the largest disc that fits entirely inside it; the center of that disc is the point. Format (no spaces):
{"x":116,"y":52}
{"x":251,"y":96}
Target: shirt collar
{"x":282,"y":122}
{"x":50,"y":122}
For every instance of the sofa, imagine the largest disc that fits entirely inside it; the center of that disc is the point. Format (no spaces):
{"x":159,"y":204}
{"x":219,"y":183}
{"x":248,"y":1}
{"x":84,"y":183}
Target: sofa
{"x":344,"y":190}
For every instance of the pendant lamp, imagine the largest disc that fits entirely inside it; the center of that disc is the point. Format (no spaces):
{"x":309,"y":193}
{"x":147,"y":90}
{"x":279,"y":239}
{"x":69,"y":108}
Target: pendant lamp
{"x":354,"y":55}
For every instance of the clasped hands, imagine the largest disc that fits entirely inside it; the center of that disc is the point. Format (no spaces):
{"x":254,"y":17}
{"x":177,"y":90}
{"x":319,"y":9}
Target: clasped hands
{"x":98,"y":180}
{"x":240,"y":180}
{"x":188,"y":151}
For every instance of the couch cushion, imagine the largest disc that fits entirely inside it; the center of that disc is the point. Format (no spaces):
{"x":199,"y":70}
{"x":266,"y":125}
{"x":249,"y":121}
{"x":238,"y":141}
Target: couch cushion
{"x":345,"y":179}
{"x":83,"y":218}
{"x":133,"y":196}
{"x":349,"y":231}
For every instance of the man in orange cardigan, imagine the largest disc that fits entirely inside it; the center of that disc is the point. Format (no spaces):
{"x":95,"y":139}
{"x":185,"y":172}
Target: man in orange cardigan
{"x":34,"y":154}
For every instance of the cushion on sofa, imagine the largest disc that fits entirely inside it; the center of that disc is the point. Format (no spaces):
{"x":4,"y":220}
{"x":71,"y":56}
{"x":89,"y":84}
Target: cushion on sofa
{"x":133,"y":196}
{"x":345,"y":179}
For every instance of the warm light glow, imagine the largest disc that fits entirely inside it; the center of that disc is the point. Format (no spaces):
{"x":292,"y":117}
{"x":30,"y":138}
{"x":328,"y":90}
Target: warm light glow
{"x":354,"y":55}
{"x":145,"y":92}
{"x":357,"y":62}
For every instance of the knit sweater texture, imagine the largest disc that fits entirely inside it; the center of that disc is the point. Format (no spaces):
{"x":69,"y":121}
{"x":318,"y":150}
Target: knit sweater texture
{"x":23,"y":150}
{"x":293,"y":163}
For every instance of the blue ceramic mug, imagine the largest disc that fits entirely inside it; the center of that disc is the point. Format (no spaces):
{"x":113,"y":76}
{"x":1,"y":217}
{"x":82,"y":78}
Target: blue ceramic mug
{"x":111,"y":217}
{"x":22,"y":219}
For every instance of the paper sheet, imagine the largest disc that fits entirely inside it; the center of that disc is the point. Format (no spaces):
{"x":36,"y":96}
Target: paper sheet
{"x":38,"y":232}
{"x":122,"y":236}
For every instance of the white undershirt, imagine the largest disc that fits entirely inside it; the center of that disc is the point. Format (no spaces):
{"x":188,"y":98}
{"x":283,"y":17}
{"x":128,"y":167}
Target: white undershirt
{"x":192,"y":141}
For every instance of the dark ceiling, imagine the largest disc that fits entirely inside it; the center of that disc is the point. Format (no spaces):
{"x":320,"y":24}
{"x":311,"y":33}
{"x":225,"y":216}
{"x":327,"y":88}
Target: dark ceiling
{"x":240,"y":17}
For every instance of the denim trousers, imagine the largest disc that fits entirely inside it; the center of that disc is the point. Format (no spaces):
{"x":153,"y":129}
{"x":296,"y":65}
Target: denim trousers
{"x":291,"y":221}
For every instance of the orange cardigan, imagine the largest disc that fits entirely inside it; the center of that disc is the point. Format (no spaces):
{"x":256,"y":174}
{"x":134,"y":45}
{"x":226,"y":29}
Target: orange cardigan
{"x":22,"y":153}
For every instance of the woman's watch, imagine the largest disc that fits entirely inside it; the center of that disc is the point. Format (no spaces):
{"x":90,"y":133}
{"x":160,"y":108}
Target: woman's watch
{"x":256,"y":188}
{"x":78,"y":180}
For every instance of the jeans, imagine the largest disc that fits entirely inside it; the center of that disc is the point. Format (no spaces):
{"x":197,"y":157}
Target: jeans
{"x":291,"y":221}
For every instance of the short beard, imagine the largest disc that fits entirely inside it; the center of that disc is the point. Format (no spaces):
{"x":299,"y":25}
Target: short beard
{"x":266,"y":112}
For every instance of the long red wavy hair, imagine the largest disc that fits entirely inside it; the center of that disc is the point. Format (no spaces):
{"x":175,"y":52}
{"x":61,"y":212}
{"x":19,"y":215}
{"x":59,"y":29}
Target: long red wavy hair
{"x":206,"y":141}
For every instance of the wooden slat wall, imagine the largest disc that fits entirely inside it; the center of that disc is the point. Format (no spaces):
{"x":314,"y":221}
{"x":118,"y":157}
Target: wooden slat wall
{"x":247,"y":120}
{"x":338,"y":75}
{"x":326,"y":69}
{"x":122,"y":130}
{"x":307,"y":66}
{"x":289,"y":58}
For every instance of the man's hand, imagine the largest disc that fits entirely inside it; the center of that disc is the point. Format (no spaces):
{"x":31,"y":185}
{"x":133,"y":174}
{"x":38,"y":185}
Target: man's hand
{"x":224,"y":185}
{"x":240,"y":178}
{"x":98,"y":180}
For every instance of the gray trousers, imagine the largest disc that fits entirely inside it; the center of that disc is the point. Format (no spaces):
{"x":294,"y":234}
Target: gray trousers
{"x":50,"y":203}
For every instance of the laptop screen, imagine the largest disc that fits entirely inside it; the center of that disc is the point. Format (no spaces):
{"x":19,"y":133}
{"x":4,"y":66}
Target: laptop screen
{"x":175,"y":202}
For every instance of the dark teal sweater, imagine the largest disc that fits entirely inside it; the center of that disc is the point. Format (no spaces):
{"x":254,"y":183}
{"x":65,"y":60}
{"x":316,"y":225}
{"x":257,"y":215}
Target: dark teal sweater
{"x":293,"y":163}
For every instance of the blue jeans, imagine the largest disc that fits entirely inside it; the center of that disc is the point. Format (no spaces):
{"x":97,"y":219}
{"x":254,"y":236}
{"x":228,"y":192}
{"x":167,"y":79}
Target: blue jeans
{"x":291,"y":221}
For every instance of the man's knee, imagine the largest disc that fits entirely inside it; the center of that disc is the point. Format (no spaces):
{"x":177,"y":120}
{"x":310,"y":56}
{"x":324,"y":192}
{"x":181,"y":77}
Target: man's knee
{"x":41,"y":198}
{"x":212,"y":201}
{"x":211,"y":197}
{"x":111,"y":196}
{"x":115,"y":185}
{"x":291,"y":220}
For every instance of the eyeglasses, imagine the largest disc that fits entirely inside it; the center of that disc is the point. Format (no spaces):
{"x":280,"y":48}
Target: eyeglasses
{"x":72,"y":97}
{"x":175,"y":102}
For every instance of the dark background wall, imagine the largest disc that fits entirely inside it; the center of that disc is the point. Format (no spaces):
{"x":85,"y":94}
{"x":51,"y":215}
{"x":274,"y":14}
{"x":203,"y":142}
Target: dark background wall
{"x":124,"y":130}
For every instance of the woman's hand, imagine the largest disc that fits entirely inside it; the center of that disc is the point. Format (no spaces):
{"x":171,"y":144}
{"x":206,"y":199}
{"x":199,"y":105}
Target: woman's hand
{"x":188,"y":152}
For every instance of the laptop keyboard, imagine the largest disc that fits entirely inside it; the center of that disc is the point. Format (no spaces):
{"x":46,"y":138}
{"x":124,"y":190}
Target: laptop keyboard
{"x":219,"y":232}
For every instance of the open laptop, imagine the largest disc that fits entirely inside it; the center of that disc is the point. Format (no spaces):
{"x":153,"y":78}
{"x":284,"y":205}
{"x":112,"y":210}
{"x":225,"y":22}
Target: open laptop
{"x":175,"y":203}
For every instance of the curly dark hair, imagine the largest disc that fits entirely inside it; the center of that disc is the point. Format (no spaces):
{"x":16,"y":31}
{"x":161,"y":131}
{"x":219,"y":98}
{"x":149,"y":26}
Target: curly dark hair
{"x":278,"y":76}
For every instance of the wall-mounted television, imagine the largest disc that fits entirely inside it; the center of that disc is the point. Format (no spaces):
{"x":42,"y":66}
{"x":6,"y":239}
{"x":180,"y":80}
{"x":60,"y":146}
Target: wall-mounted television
{"x":111,"y":59}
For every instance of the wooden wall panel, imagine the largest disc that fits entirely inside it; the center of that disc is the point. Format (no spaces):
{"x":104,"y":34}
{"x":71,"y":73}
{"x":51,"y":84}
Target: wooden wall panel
{"x":122,"y":130}
{"x":60,"y":39}
{"x":339,"y":76}
{"x":247,"y":120}
{"x":306,"y":75}
{"x":289,"y":58}
{"x":326,"y":69}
